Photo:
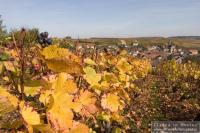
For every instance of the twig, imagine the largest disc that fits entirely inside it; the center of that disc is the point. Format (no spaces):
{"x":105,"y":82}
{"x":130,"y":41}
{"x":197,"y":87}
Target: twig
{"x":15,"y":44}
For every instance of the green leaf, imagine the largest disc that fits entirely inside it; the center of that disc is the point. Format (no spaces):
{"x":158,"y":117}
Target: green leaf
{"x":32,"y":87}
{"x":4,"y":57}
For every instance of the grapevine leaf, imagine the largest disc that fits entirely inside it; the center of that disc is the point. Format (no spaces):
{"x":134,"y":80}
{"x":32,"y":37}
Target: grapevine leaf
{"x":91,"y":76}
{"x":61,"y":60}
{"x":32,"y":87}
{"x":89,"y":110}
{"x":86,"y":98}
{"x":85,"y":103}
{"x":12,"y":99}
{"x":64,"y":84}
{"x":63,"y":65}
{"x":5,"y":106}
{"x":9,"y":66}
{"x":104,"y":117}
{"x":1,"y":68}
{"x":61,"y":118}
{"x":4,"y":57}
{"x":90,"y":62}
{"x":46,"y":97}
{"x":54,"y":51}
{"x":60,"y":113}
{"x":111,"y":102}
{"x":44,"y":128}
{"x":123,"y":66}
{"x":30,"y":116}
{"x":79,"y":128}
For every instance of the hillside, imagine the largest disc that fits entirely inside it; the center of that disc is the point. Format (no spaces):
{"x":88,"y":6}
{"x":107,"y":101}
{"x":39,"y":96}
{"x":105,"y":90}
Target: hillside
{"x":192,"y":42}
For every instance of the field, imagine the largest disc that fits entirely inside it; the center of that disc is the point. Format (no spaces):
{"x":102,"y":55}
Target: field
{"x":185,"y":42}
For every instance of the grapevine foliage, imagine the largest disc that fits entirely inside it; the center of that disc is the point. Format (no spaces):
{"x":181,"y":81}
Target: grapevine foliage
{"x":80,"y":95}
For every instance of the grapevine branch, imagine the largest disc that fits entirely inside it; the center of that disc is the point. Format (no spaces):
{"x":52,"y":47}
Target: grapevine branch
{"x":22,"y":61}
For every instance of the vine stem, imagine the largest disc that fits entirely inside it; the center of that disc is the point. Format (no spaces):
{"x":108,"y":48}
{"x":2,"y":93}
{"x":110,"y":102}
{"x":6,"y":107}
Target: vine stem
{"x":15,"y":44}
{"x":22,"y":61}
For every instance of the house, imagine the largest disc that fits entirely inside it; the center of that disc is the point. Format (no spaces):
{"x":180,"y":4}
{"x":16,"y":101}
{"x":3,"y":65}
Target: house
{"x":135,"y":43}
{"x":179,"y":59}
{"x":193,"y":52}
{"x":122,"y":42}
{"x":179,"y":50}
{"x":152,"y":48}
{"x":134,"y":53}
{"x":152,"y":54}
{"x":90,"y":45}
{"x":182,"y":53}
{"x":155,"y":56}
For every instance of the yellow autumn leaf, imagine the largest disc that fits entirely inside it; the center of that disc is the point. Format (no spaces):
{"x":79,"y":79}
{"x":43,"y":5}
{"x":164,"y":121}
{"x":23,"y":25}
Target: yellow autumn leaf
{"x":110,"y":77}
{"x":54,"y":51}
{"x":141,"y":67}
{"x":62,"y":100}
{"x":64,"y":65}
{"x":89,"y":62}
{"x":117,"y":117}
{"x":76,"y":106}
{"x":1,"y":68}
{"x":79,"y":128}
{"x":46,"y":97}
{"x":32,"y":87}
{"x":61,"y":60}
{"x":9,"y":66}
{"x":91,"y":76}
{"x":44,"y":128}
{"x":5,"y":78}
{"x":14,"y":53}
{"x":31,"y":91}
{"x":35,"y":61}
{"x":122,"y":77}
{"x":89,"y":110}
{"x":60,"y":113}
{"x":30,"y":116}
{"x":47,"y":81}
{"x":111,"y":102}
{"x":123,"y":66}
{"x":12,"y":99}
{"x":104,"y":116}
{"x":64,"y":84}
{"x":61,"y":118}
{"x":5,"y":107}
{"x":71,"y":87}
{"x":85,"y":99}
{"x":105,"y":85}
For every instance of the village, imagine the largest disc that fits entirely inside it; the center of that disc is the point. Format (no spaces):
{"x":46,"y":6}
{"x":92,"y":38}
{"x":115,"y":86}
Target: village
{"x":155,"y":53}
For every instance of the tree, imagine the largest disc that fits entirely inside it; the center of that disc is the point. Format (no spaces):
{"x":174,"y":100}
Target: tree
{"x":31,"y":35}
{"x":2,"y":29}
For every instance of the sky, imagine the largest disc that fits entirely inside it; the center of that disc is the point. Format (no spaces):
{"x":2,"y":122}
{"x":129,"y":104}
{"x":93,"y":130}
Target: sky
{"x":104,"y":18}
